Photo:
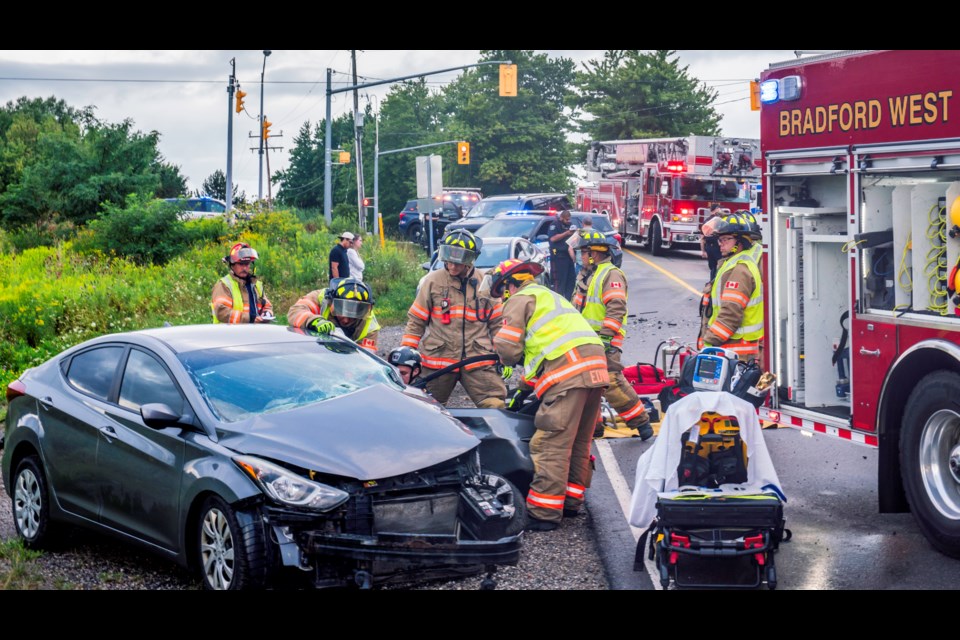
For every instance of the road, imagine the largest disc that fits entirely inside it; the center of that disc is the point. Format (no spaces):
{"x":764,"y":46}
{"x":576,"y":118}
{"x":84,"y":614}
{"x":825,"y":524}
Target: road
{"x":840,"y":541}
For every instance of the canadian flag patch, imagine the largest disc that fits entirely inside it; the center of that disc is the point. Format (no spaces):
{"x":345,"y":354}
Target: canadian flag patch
{"x":616,"y":285}
{"x":732,"y":285}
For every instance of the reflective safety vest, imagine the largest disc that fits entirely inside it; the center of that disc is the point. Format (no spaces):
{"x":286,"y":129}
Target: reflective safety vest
{"x":554,"y":328}
{"x":751,"y":327}
{"x":594,"y":310}
{"x":369,"y":325}
{"x":237,"y":296}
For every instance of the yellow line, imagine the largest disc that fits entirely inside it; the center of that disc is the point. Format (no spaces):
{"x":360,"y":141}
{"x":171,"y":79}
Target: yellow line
{"x":663,"y":271}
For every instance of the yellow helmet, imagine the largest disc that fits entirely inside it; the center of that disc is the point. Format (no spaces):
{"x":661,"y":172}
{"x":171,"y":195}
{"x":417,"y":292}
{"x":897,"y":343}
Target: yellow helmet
{"x":595,"y":241}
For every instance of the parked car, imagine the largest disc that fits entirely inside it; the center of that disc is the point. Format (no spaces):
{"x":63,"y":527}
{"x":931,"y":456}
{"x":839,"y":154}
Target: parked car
{"x":200,"y":207}
{"x":410,"y":221}
{"x":532,"y":225}
{"x":248,"y":450}
{"x":491,"y":206}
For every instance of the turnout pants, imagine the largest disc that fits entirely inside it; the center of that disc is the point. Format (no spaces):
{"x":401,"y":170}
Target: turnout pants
{"x":484,"y":386}
{"x":560,"y":449}
{"x":621,"y":394}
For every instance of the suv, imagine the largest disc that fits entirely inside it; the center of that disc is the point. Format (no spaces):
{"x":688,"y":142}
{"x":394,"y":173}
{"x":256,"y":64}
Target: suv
{"x":410,"y":224}
{"x":489,"y":207}
{"x":532,"y":225}
{"x":202,"y":207}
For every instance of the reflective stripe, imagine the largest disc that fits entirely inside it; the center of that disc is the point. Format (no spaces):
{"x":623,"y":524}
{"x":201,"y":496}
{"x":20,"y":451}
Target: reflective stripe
{"x":563,"y":373}
{"x":595,"y":307}
{"x":751,"y":328}
{"x":722,"y":331}
{"x":544,"y":501}
{"x":575,"y":490}
{"x":735,"y":296}
{"x":555,"y":346}
{"x":632,"y":413}
{"x":609,"y":323}
{"x":410,"y":340}
{"x":509,"y":334}
{"x":418,"y":311}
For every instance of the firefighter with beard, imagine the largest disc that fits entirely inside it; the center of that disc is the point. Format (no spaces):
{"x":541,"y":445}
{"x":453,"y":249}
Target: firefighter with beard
{"x":732,"y":306}
{"x":237,"y":297}
{"x":563,"y":361}
{"x":451,"y":320}
{"x":347,"y":303}
{"x":601,"y":296}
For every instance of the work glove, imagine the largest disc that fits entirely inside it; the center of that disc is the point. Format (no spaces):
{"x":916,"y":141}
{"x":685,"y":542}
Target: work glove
{"x":322,"y":326}
{"x":506,"y":372}
{"x":607,"y":344}
{"x":515,"y":401}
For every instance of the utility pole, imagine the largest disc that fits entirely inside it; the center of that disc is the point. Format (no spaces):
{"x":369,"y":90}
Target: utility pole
{"x":266,"y":53}
{"x":230,"y":88}
{"x":358,"y":137}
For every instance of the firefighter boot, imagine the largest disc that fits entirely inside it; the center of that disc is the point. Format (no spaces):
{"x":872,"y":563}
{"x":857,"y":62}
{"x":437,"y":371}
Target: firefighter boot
{"x":642,"y":424}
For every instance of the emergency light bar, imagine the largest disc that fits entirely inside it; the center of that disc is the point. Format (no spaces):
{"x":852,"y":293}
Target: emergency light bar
{"x":787,"y":88}
{"x":676,"y":167}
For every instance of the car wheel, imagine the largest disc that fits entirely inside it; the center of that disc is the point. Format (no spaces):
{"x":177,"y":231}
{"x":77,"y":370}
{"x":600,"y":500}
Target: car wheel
{"x":510,"y":497}
{"x":656,"y":239}
{"x":31,"y":507}
{"x":930,"y":459}
{"x":231,"y":547}
{"x":413,"y":232}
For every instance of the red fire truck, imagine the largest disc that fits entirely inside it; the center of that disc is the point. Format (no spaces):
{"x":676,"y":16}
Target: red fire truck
{"x":861,"y":161}
{"x":658,"y":191}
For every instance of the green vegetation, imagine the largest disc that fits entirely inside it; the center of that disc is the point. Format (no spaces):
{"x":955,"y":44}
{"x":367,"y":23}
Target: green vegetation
{"x":17,"y":570}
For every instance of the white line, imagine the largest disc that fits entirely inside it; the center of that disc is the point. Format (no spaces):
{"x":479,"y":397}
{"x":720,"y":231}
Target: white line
{"x":622,"y":490}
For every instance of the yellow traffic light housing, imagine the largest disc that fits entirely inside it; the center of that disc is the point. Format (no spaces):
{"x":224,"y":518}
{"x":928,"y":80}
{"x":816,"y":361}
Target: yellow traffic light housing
{"x":266,"y":128}
{"x":240,"y":96}
{"x":344,"y":157}
{"x":508,"y":80}
{"x":463,"y":153}
{"x":754,"y":95}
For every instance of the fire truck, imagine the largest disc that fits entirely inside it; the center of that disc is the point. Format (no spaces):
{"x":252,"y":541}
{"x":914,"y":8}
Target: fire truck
{"x":658,"y":191}
{"x":861,"y":170}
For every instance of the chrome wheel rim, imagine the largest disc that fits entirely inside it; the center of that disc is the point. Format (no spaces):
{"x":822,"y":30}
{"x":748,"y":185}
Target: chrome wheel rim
{"x":940,"y":462}
{"x":27,"y":502}
{"x":217,"y":550}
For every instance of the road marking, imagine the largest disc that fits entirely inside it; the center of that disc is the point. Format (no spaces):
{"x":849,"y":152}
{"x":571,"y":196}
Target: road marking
{"x":663,"y":271}
{"x":622,"y":490}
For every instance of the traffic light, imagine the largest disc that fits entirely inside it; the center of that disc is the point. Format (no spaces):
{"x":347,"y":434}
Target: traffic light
{"x":508,"y":80}
{"x":754,"y":95}
{"x":344,"y":157}
{"x":240,"y":96}
{"x":266,"y":128}
{"x":463,"y":153}
{"x":368,"y":202}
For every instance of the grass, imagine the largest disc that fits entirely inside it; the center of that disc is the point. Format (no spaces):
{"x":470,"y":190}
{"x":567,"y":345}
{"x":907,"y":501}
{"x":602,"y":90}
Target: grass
{"x":17,"y":570}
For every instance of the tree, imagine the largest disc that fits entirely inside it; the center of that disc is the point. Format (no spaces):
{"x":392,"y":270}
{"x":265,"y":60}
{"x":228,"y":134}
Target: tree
{"x":633,"y":94}
{"x":215,"y":186}
{"x":516,"y":144}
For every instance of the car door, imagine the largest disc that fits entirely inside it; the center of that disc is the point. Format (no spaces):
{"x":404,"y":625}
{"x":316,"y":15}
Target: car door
{"x":72,"y":414}
{"x":142,"y":467}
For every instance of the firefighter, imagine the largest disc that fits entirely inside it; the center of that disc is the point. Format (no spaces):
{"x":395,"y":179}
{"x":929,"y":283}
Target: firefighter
{"x":451,"y":320}
{"x":732,"y":309}
{"x":408,"y":363}
{"x":231,"y":295}
{"x":601,"y":296}
{"x":347,"y":303}
{"x":563,"y":361}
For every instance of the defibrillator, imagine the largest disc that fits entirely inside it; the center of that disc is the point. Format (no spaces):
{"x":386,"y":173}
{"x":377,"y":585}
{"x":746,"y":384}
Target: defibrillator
{"x":714,"y":369}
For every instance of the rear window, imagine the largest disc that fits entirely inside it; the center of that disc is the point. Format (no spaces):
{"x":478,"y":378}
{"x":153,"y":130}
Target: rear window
{"x":92,"y":372}
{"x":600,"y":223}
{"x":490,"y":208}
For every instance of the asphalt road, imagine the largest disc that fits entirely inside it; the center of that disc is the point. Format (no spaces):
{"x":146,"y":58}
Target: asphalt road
{"x":840,"y":541}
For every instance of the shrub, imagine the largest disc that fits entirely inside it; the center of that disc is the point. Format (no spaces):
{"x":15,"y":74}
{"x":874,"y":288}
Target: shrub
{"x":145,"y":230}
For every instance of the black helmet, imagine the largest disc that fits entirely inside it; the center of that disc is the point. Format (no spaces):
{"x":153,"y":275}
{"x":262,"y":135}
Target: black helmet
{"x":460,"y":247}
{"x":406,"y":356}
{"x":350,"y":297}
{"x":742,"y":224}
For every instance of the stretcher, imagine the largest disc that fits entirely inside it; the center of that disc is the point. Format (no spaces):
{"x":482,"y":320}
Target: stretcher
{"x":708,"y":497}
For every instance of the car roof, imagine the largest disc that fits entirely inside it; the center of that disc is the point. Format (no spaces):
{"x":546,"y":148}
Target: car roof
{"x":182,"y":339}
{"x":521,"y":196}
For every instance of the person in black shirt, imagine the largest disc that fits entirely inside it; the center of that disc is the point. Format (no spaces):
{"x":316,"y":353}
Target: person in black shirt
{"x":339,"y":261}
{"x":561,"y":265}
{"x":709,"y":247}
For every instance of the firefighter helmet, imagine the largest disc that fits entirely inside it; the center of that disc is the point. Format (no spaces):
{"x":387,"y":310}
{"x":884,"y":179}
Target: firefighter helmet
{"x":955,"y":218}
{"x":595,"y":241}
{"x":741,"y":224}
{"x":350,"y":298}
{"x":460,"y":247}
{"x":241,"y":252}
{"x":512,"y":271}
{"x":406,"y":356}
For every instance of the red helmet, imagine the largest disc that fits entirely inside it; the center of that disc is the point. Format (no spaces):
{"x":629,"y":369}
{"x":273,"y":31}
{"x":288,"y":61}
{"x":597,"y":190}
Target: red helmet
{"x":512,"y":271}
{"x":240,"y":252}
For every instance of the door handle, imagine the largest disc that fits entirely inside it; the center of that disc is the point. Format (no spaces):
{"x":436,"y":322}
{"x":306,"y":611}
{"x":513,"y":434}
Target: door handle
{"x":867,"y":352}
{"x":108,"y":433}
{"x":46,"y":402}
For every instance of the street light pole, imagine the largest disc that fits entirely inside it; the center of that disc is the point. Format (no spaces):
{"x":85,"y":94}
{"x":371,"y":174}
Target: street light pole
{"x":266,"y":53}
{"x":230,"y":88}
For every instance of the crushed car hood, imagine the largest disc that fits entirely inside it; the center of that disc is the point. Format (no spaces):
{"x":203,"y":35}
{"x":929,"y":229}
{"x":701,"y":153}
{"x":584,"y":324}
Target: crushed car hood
{"x":374,"y":433}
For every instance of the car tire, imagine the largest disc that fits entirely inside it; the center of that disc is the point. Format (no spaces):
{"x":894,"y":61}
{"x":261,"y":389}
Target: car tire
{"x":31,"y":505}
{"x":231,"y":547}
{"x":930,"y":458}
{"x":656,"y":239}
{"x":413,"y":233}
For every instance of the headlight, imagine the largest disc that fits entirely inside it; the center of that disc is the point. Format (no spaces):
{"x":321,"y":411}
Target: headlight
{"x":290,"y":489}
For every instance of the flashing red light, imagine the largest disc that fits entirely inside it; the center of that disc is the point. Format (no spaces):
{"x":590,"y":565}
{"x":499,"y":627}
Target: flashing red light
{"x":685,"y":212}
{"x":676,"y":167}
{"x":552,"y":212}
{"x":774,"y":416}
{"x":16,"y":389}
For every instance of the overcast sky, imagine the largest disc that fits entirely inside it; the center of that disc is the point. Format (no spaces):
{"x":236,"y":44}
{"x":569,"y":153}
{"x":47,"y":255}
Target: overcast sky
{"x":183,"y":96}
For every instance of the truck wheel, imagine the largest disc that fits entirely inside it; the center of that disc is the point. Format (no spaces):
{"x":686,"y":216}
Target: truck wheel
{"x":656,"y":239}
{"x":413,"y":232}
{"x":930,"y":459}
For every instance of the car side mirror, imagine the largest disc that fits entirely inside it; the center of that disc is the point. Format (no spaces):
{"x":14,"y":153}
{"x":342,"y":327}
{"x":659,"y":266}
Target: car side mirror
{"x":543,"y":238}
{"x":425,"y":266}
{"x":157,"y":415}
